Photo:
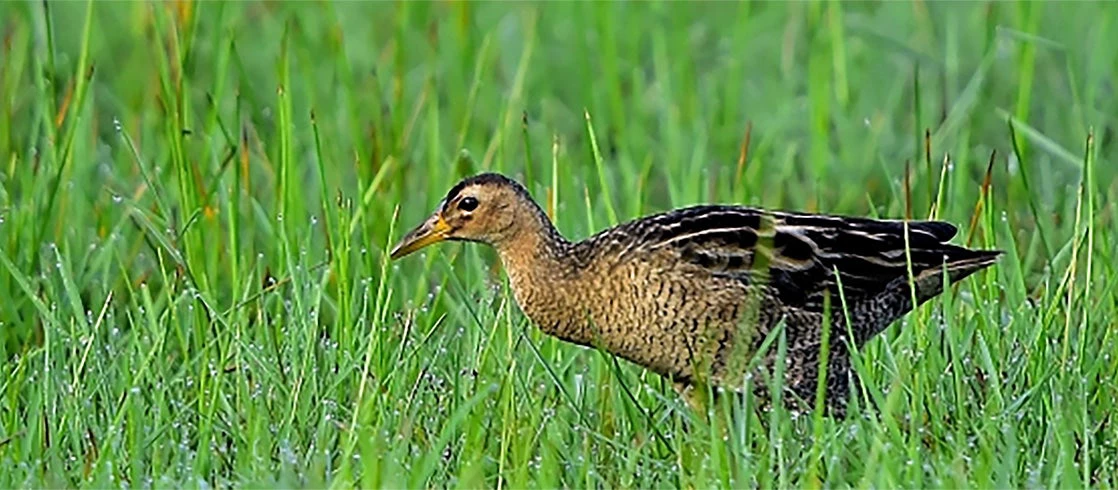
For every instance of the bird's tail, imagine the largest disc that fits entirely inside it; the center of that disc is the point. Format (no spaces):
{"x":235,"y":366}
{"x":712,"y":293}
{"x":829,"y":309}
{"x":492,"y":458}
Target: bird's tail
{"x":927,"y":282}
{"x":958,"y":264}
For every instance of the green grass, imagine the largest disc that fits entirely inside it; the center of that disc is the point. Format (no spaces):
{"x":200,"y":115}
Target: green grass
{"x":196,"y":206}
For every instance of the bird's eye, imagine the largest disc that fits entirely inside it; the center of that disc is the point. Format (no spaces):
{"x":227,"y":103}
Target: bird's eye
{"x":467,"y":204}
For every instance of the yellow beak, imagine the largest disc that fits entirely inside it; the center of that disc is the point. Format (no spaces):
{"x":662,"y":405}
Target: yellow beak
{"x":433,"y":230}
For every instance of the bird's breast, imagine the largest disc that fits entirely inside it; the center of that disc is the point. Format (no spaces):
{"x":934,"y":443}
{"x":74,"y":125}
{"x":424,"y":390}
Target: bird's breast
{"x":651,"y":314}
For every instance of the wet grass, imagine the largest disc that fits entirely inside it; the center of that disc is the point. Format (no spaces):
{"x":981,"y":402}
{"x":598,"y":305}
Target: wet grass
{"x":197,"y":201}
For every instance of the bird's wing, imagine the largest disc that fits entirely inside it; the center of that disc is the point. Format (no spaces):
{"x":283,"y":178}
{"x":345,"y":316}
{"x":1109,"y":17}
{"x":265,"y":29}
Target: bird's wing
{"x":795,"y":254}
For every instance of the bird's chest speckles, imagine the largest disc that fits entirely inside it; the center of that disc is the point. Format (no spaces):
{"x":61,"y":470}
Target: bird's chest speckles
{"x":664,"y":319}
{"x":533,"y":299}
{"x":551,"y":301}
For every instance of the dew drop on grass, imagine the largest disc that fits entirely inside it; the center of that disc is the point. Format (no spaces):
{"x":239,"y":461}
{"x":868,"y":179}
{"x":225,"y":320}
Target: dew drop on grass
{"x":117,"y":199}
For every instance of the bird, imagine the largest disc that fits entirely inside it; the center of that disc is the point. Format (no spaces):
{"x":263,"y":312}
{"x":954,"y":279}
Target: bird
{"x":693,"y":293}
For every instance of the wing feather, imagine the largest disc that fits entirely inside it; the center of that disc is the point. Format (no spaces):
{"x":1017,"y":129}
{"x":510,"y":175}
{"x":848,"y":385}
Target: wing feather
{"x":801,"y":251}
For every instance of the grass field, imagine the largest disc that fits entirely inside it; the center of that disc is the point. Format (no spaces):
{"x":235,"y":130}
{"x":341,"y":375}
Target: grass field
{"x":197,"y":202}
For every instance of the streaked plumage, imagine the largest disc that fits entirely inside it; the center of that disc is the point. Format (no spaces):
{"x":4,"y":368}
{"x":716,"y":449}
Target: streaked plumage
{"x":692,"y":293}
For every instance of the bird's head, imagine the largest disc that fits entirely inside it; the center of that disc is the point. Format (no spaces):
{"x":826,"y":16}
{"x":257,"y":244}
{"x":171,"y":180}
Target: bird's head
{"x":487,"y":208}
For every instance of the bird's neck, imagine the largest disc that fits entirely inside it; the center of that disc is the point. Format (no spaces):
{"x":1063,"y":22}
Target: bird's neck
{"x":543,"y":278}
{"x":536,"y":251}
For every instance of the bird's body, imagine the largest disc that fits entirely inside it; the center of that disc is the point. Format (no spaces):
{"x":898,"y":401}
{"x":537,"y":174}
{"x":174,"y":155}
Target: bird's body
{"x":691,"y":294}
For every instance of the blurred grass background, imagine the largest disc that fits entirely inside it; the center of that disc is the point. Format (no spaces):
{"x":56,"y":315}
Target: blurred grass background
{"x":197,"y":199}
